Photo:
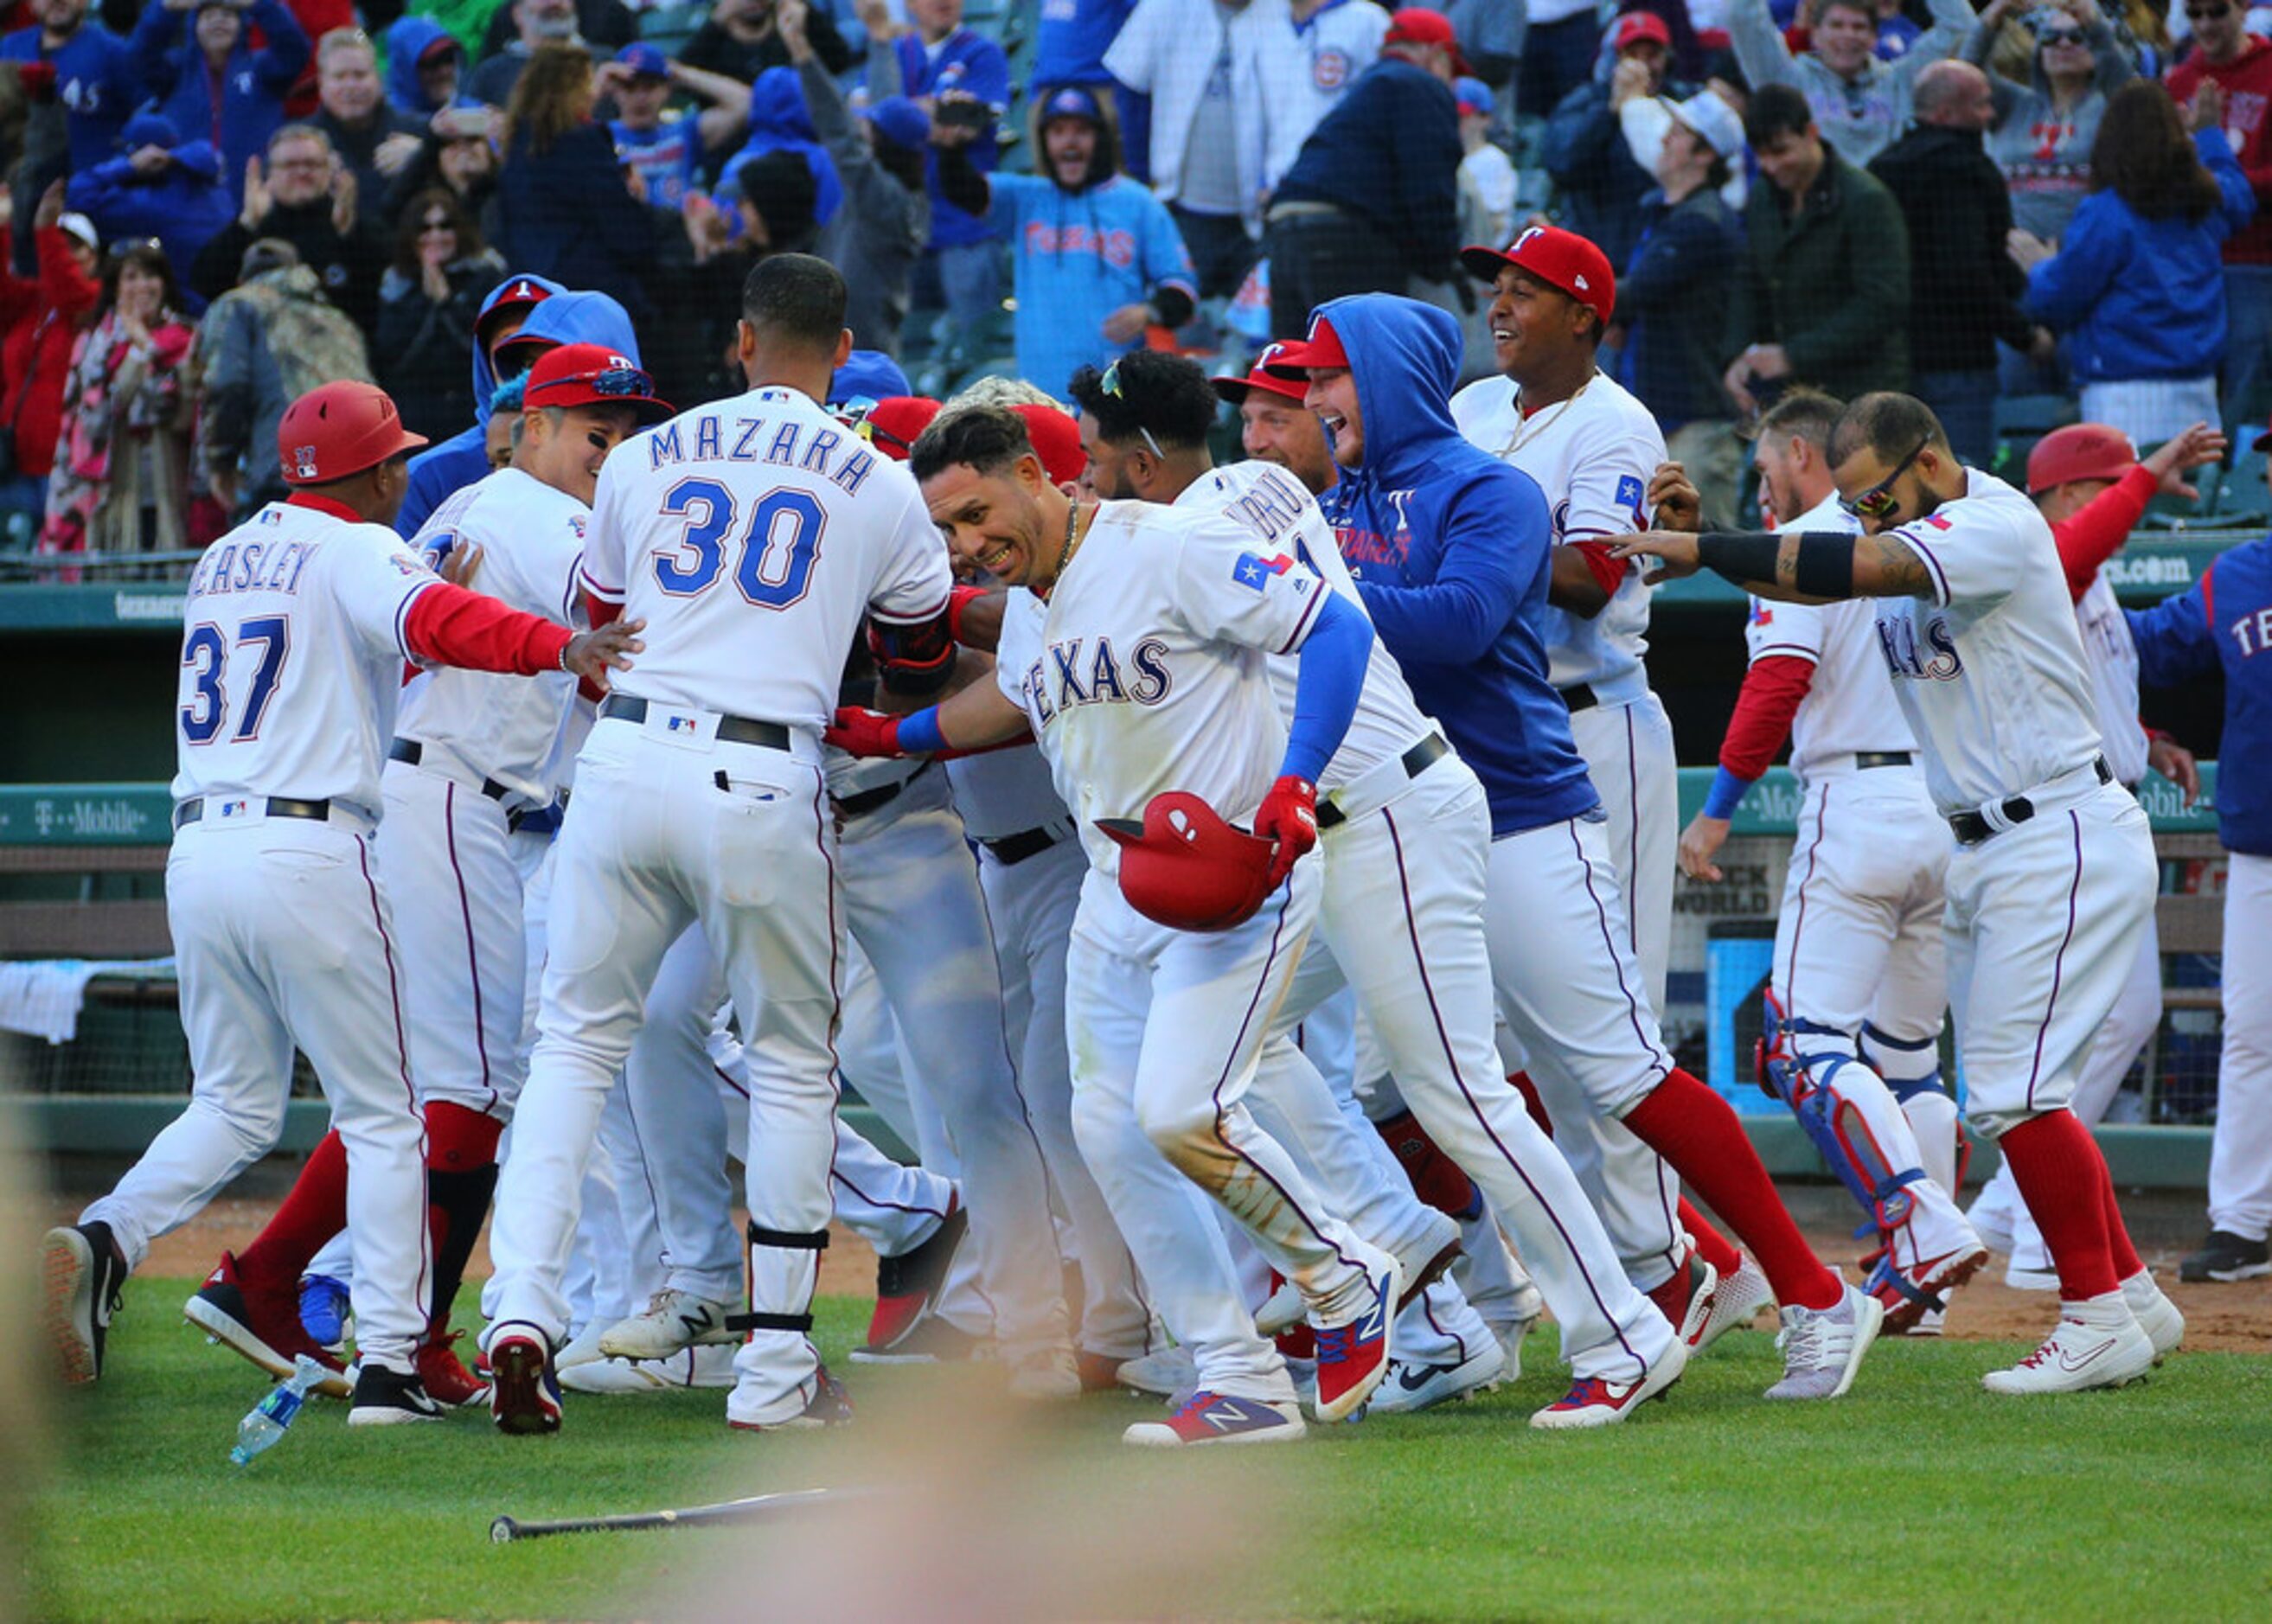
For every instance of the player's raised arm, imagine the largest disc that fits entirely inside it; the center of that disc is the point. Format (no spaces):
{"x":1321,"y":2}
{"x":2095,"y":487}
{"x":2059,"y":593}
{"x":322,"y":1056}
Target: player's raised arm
{"x":1795,"y":567}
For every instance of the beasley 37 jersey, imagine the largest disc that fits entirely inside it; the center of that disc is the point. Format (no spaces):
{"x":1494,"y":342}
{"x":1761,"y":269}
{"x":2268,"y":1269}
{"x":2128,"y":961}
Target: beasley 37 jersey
{"x":1990,"y":671}
{"x":292,"y":652}
{"x":1144,"y":671}
{"x":1849,"y":707}
{"x":751,"y":535}
{"x":532,"y":542}
{"x":1594,"y":456}
{"x":1276,"y":504}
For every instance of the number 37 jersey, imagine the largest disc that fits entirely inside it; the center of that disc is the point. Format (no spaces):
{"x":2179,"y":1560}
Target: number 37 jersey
{"x":292,"y":655}
{"x":751,"y":535}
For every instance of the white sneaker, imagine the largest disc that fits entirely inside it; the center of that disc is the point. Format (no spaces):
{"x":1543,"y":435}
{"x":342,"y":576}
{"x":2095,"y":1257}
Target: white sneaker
{"x":1822,"y":1348}
{"x":710,"y":1366}
{"x":1410,"y":1387}
{"x":2095,"y":1344}
{"x":672,"y":1320}
{"x":2157,"y":1315}
{"x":1046,"y":1375}
{"x":1737,"y":1303}
{"x":583,"y":1348}
{"x":1593,"y":1402}
{"x":1162,"y":1373}
{"x":1282,"y":1310}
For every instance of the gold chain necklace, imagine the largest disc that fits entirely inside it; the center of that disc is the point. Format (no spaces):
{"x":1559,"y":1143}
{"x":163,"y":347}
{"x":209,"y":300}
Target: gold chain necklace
{"x":1527,"y":427}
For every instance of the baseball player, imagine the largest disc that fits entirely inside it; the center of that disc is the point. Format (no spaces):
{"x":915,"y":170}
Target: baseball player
{"x":1135,"y":655}
{"x":1404,"y":837}
{"x":2087,"y":482}
{"x":1450,"y":550}
{"x":1859,"y":979}
{"x":701,"y":797}
{"x":2225,"y":623}
{"x":2054,"y":872}
{"x":297,"y":624}
{"x":1593,"y":449}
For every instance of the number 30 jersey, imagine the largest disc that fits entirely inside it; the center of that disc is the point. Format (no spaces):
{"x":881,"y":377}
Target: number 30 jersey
{"x":293,"y":646}
{"x":751,"y":535}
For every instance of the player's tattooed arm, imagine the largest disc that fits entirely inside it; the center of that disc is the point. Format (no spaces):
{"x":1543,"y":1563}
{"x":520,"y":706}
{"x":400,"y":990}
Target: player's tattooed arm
{"x":1795,"y":567}
{"x":1886,"y":566}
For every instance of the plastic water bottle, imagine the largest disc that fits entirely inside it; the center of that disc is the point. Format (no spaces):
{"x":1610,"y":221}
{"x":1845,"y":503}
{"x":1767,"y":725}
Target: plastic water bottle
{"x":265,"y":1423}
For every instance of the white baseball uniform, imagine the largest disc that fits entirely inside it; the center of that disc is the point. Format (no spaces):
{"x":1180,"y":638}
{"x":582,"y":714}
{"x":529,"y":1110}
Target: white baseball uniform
{"x":292,"y":658}
{"x":1143,"y":673}
{"x":1593,"y":455}
{"x":750,"y":535}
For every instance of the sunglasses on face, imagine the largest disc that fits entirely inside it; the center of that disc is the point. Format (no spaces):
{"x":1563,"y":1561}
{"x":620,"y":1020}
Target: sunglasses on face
{"x":2062,"y":36}
{"x":1110,"y":384}
{"x":1878,"y":501}
{"x":435,"y":225}
{"x":2208,"y":14}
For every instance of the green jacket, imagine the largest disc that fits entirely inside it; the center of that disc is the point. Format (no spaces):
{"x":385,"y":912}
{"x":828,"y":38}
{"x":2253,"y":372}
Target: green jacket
{"x":1830,"y":285}
{"x":467,"y":21}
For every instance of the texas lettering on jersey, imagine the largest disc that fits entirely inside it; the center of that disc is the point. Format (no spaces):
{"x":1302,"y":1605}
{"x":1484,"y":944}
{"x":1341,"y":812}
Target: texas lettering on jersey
{"x":1899,"y":638}
{"x":1069,"y":675}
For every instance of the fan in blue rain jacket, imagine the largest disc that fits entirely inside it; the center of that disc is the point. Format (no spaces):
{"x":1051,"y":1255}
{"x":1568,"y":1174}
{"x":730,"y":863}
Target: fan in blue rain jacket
{"x":236,"y":106}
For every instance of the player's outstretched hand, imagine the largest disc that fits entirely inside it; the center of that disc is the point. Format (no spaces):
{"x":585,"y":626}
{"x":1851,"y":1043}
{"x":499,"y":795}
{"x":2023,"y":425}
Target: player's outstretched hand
{"x":591,"y":655}
{"x":1674,"y":501}
{"x":1289,"y":816}
{"x":2176,"y":457}
{"x":1699,"y":843}
{"x":1673,"y":555}
{"x":856,"y":732}
{"x":457,"y":566}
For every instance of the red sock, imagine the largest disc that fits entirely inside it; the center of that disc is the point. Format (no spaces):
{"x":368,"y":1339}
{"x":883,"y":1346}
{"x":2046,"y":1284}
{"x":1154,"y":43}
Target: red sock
{"x":314,"y":1210}
{"x":1696,"y":1130}
{"x":2060,"y":1170}
{"x":1718,"y":1250}
{"x":1531,"y":1102}
{"x":460,"y":1139}
{"x":2126,"y":1260}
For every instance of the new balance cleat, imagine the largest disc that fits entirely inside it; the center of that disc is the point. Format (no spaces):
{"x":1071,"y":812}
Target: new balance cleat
{"x":1353,"y":1356}
{"x":81,"y":1279}
{"x":1428,"y":1259}
{"x":261,"y":1322}
{"x":1910,"y":1292}
{"x":1208,"y":1419}
{"x":1822,"y":1348}
{"x":1410,"y":1387}
{"x":2095,"y":1344}
{"x":1593,"y":1401}
{"x":672,"y":1320}
{"x":524,"y":1386}
{"x":385,"y":1398}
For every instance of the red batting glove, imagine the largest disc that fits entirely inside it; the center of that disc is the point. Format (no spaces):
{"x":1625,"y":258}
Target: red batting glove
{"x":1289,"y":816}
{"x":856,"y":732}
{"x":960,"y":599}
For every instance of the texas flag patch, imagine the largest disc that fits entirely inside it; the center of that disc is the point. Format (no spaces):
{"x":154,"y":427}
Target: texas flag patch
{"x":1253,"y":572}
{"x":1761,"y":615}
{"x":1629,"y":497}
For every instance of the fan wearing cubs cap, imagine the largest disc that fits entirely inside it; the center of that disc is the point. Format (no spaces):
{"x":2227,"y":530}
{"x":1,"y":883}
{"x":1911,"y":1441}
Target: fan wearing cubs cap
{"x":1134,"y":649}
{"x":668,"y":153}
{"x":1594,"y":451}
{"x":299,"y":623}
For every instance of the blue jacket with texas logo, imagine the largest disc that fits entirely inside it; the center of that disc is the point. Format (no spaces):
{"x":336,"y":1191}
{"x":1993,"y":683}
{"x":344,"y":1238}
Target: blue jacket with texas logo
{"x":1450,"y":548}
{"x":2224,"y":623}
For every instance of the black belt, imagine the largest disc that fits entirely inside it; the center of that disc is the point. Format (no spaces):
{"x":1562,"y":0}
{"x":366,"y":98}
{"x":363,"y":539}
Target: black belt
{"x":1971,"y":827}
{"x":1882,"y":758}
{"x":1579,"y":697}
{"x":276,"y":806}
{"x":1012,"y":849}
{"x":732,"y":729}
{"x":410,"y":752}
{"x":1417,"y":761}
{"x":867,"y":800}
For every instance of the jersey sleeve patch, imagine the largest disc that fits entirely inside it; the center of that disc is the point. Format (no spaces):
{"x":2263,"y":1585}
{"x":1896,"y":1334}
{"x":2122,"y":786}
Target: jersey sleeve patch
{"x":1253,"y":572}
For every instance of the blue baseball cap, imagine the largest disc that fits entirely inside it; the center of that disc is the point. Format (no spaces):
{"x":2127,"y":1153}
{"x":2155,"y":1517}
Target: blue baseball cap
{"x":1073,"y":101}
{"x":871,"y":373}
{"x":899,"y":121}
{"x":645,"y":60}
{"x":1473,"y":95}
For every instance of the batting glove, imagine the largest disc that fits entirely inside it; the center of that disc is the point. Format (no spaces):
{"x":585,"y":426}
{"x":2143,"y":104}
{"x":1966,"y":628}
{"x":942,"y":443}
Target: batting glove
{"x":1289,"y":816}
{"x":856,"y":732}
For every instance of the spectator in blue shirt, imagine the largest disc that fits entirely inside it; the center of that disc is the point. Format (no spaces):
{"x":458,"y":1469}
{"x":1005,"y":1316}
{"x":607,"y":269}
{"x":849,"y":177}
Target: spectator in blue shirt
{"x":160,"y":186}
{"x":95,"y":75}
{"x":211,"y":82}
{"x":1069,"y":45}
{"x":667,"y":153}
{"x":1094,"y":258}
{"x":425,"y":65}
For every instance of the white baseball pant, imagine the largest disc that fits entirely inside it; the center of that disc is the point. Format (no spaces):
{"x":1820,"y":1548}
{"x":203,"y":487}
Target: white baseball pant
{"x":2240,"y":1154}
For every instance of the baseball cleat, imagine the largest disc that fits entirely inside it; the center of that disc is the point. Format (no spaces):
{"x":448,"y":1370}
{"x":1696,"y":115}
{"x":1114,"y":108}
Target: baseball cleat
{"x":524,"y":1389}
{"x":1426,"y":1259}
{"x":1910,"y":1293}
{"x":1282,"y":1310}
{"x":2226,"y":1258}
{"x":1738,"y":1302}
{"x":1593,"y":1402}
{"x":1686,"y":1298}
{"x":1410,"y":1387}
{"x":1822,"y":1348}
{"x":1353,"y":1356}
{"x":671,"y":1320}
{"x":1162,"y":1373}
{"x":583,"y":1348}
{"x":2157,"y":1315}
{"x":2097,"y":1343}
{"x":711,"y":1367}
{"x":324,"y":1309}
{"x":907,"y":1286}
{"x":385,"y":1398}
{"x":932,"y":1341}
{"x":1046,"y":1375}
{"x":261,"y":1324}
{"x":830,"y":1405}
{"x":81,"y":1279}
{"x":444,"y":1376}
{"x":1218,"y":1419}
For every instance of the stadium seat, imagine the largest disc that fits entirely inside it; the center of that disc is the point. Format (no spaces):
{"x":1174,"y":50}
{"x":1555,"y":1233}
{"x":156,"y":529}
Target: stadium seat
{"x":2242,"y":502}
{"x":671,"y":26}
{"x":2033,"y":415}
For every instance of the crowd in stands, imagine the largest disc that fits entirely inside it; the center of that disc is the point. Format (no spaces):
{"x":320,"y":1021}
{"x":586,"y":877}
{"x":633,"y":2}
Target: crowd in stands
{"x":214,"y":204}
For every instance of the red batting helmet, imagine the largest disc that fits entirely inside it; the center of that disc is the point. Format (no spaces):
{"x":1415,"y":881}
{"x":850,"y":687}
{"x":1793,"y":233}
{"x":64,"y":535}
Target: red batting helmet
{"x":1184,"y":867}
{"x":2079,"y":451}
{"x":336,"y":430}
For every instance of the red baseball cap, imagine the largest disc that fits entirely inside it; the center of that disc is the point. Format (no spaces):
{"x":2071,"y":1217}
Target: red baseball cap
{"x":1293,"y":357}
{"x":1561,"y":259}
{"x":1235,"y":389}
{"x":1634,"y":27}
{"x":1184,"y":867}
{"x":2079,"y":451}
{"x":1416,"y":24}
{"x":1056,"y":442}
{"x":894,"y":424}
{"x":519,"y":292}
{"x":585,"y":375}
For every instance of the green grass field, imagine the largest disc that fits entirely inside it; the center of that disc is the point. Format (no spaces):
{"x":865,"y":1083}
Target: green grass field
{"x":1919,"y":1495}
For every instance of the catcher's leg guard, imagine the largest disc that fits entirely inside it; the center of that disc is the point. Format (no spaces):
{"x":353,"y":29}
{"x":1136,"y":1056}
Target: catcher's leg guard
{"x":1911,"y":1068}
{"x":1803,"y":1068}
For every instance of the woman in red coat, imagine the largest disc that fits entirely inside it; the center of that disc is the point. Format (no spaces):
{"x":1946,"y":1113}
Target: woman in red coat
{"x":39,"y":321}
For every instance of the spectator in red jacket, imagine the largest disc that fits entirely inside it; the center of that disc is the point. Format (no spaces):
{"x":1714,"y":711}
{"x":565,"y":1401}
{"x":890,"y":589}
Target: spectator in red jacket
{"x":2226,"y":81}
{"x":40,"y":319}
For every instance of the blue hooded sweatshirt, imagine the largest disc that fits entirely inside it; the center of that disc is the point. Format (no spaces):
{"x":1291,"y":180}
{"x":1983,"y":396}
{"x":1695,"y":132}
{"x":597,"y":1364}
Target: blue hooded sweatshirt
{"x":406,"y":41}
{"x":871,"y":373}
{"x":2224,"y":624}
{"x":94,"y":80}
{"x":238,"y":108}
{"x":1451,"y":549}
{"x":184,"y":208}
{"x":464,"y":457}
{"x":778,"y":121}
